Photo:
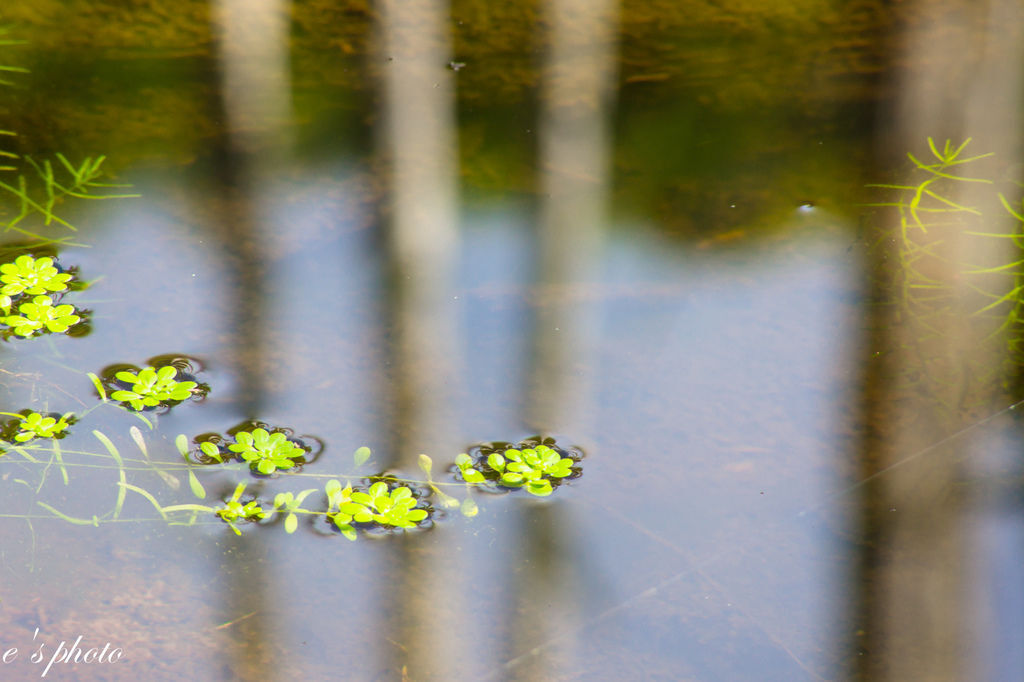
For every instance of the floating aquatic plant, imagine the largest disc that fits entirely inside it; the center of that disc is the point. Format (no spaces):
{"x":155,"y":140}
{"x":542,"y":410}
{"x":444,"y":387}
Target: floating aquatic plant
{"x":28,"y":275}
{"x":235,"y":510}
{"x":536,"y":464}
{"x":266,"y":452}
{"x":395,"y":507}
{"x":40,"y":313}
{"x":33,"y":425}
{"x":150,"y":387}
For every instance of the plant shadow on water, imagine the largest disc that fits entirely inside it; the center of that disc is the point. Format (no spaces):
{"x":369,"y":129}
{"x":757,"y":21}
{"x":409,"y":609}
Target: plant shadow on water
{"x":343,"y":271}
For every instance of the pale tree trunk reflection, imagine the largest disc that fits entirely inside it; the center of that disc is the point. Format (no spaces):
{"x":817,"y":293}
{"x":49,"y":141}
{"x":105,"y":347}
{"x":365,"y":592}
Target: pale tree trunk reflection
{"x":574,"y":121}
{"x":254,"y":88}
{"x":417,"y":141}
{"x":933,"y":369}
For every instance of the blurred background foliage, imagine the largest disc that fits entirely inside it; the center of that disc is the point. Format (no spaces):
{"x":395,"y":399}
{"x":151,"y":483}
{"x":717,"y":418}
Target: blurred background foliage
{"x":783,"y":91}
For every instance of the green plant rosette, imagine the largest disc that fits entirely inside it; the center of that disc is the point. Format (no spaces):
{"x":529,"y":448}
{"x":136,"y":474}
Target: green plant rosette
{"x":40,"y":313}
{"x":31,"y":425}
{"x":266,"y":452}
{"x":395,"y":508}
{"x":28,"y":275}
{"x":151,"y":387}
{"x":532,"y":465}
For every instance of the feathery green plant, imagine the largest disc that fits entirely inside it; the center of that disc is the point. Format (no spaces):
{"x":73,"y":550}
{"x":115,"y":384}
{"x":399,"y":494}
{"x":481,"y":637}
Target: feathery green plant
{"x":41,"y":186}
{"x":930,"y":223}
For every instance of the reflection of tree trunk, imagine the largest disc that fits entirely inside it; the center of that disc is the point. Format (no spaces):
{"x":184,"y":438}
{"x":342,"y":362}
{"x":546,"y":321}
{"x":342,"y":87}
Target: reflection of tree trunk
{"x":254,"y":104}
{"x":927,"y":369}
{"x":573,"y":123}
{"x":418,"y":142}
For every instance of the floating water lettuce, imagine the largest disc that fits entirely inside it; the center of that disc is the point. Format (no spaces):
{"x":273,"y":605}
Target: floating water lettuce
{"x":266,"y":452}
{"x":387,"y":507}
{"x":40,"y":313}
{"x":533,"y":464}
{"x":35,"y":425}
{"x":151,"y":387}
{"x":28,"y":275}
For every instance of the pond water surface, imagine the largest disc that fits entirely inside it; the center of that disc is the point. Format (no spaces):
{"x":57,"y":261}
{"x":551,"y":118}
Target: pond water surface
{"x":644,"y":231}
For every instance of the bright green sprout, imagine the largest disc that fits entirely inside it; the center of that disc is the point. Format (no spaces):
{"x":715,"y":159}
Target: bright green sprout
{"x":28,"y":275}
{"x":39,"y":313}
{"x":337,"y":496}
{"x":151,"y":386}
{"x":531,"y":468}
{"x":388,"y":508}
{"x":267,"y":452}
{"x":233,"y":509}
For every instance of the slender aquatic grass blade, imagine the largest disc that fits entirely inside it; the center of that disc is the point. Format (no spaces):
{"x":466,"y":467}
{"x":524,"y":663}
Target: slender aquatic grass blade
{"x":94,"y":521}
{"x":148,"y":496}
{"x":120,"y":468}
{"x":98,"y":385}
{"x":21,"y":451}
{"x":60,"y":462}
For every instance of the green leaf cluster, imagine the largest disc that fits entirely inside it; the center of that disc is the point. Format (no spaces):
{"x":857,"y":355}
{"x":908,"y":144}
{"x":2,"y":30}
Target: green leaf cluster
{"x":235,"y":510}
{"x":28,"y":275}
{"x":395,"y":507}
{"x":266,"y":452}
{"x":151,"y":387}
{"x":35,"y":425}
{"x":41,"y":313}
{"x":531,"y":468}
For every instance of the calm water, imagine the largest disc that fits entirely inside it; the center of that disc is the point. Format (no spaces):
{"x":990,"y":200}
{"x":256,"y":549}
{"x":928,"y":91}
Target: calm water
{"x":642,"y":230}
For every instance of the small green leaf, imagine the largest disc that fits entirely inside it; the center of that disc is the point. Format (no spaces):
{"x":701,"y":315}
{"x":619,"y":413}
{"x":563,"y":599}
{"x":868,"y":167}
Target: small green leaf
{"x":291,"y":522}
{"x":472,"y":476}
{"x":469,"y":508}
{"x":196,"y":486}
{"x":426,"y":464}
{"x":98,"y":385}
{"x":181,"y":442}
{"x":137,"y":437}
{"x":541,"y":488}
{"x":496,"y":462}
{"x":333,"y":488}
{"x":512,"y":479}
{"x":361,"y":455}
{"x":463,"y":461}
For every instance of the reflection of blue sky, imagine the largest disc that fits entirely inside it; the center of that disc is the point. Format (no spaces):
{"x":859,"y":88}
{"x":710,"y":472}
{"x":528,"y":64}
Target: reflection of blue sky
{"x":713,"y":378}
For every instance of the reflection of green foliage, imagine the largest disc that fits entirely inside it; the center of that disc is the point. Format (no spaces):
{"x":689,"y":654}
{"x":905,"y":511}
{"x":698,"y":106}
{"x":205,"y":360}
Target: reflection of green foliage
{"x":28,"y":275}
{"x":935,"y":227}
{"x":41,"y":195}
{"x":265,"y":451}
{"x":39,"y":313}
{"x":35,"y":425}
{"x":151,"y":387}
